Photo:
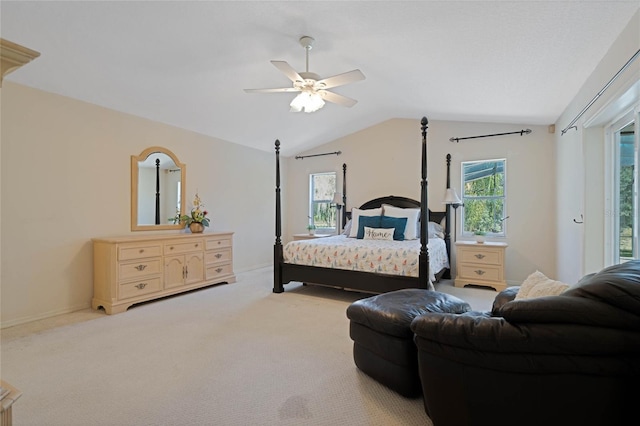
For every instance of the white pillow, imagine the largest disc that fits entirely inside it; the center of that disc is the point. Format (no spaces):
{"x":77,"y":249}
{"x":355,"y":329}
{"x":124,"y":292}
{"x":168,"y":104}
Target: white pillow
{"x":412,"y":215}
{"x":436,"y":230}
{"x":355,"y":213}
{"x":347,"y":228}
{"x":538,"y":285}
{"x":378,"y":233}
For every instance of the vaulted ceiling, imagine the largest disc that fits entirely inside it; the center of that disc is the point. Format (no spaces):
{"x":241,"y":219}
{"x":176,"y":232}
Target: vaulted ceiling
{"x":186,"y":63}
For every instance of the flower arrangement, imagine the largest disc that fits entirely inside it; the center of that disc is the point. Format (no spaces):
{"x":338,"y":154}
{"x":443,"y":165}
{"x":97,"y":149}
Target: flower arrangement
{"x":198,"y":214}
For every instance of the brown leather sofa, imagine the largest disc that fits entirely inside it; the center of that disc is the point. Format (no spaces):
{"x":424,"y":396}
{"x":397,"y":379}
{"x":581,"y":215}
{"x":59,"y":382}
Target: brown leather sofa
{"x":571,"y":359}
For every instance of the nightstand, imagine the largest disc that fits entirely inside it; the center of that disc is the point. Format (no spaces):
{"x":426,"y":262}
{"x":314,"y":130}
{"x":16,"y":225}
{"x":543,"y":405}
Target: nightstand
{"x":480,"y":264}
{"x":297,"y":237}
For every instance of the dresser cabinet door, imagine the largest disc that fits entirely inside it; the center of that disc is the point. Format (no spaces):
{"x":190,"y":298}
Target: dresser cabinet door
{"x":194,"y":271}
{"x":174,"y":271}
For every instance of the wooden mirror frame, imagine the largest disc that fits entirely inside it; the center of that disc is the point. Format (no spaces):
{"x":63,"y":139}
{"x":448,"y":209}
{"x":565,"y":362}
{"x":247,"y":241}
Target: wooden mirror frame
{"x":135,"y":159}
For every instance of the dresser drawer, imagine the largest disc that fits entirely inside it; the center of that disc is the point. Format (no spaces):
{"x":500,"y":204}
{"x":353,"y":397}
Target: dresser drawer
{"x":135,"y":270}
{"x":140,"y":287}
{"x":480,"y":272}
{"x":218,"y":256}
{"x":177,"y":247}
{"x":218,"y":271}
{"x":213,"y":243}
{"x":139,"y":251}
{"x":484,"y":256}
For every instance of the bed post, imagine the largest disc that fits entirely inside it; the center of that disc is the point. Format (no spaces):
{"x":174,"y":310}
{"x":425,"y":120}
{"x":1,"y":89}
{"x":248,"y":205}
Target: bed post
{"x":277,"y":247}
{"x":423,"y":259}
{"x":343,"y":219}
{"x":447,"y":224}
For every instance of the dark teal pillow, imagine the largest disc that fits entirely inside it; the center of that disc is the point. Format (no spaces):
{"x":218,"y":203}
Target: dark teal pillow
{"x":399,"y":223}
{"x":369,"y":221}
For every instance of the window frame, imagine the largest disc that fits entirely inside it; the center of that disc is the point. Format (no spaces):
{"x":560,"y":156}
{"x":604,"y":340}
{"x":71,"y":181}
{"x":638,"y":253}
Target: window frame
{"x":329,"y":202}
{"x":465,"y":198}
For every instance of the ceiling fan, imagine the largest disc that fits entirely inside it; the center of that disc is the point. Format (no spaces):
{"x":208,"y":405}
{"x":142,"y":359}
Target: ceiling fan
{"x":312,"y":88}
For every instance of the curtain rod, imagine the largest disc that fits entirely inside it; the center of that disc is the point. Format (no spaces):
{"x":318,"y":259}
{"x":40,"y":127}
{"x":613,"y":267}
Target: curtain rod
{"x":595,"y":98}
{"x":301,"y":157}
{"x":521,"y":132}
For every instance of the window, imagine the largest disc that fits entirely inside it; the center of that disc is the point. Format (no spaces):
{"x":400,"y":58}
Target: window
{"x":622,"y":194}
{"x":322,"y":212}
{"x":484,"y":197}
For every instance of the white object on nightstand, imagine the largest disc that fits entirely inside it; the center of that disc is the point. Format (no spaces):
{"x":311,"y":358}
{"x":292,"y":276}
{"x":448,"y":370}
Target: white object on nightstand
{"x":480,"y":264}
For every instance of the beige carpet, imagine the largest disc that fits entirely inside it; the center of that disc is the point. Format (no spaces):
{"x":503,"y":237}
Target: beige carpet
{"x":233,"y":354}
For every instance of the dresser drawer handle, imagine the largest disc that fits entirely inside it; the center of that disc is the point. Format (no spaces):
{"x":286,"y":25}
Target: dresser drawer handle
{"x":141,"y":285}
{"x":218,"y":270}
{"x":171,"y":248}
{"x":218,"y":255}
{"x":480,"y":256}
{"x":196,"y":245}
{"x":219,"y":242}
{"x":479,"y":271}
{"x":141,"y":267}
{"x":141,"y":251}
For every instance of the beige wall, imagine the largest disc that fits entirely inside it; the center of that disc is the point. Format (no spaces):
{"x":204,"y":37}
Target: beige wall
{"x":386,"y":160}
{"x":66,"y":179}
{"x":581,"y":153}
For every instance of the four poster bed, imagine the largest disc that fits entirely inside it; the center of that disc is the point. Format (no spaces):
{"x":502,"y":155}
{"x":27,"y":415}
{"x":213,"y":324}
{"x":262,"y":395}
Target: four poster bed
{"x":375,"y":265}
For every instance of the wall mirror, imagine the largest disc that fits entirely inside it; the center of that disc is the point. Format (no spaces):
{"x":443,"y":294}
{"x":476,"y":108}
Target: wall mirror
{"x":158,"y":182}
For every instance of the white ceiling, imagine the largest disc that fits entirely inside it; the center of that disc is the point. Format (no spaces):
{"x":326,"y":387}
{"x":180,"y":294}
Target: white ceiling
{"x":186,"y":63}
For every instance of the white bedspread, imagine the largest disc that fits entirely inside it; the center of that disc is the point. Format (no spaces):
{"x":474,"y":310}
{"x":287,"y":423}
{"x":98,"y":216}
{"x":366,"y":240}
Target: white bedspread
{"x":378,"y":256}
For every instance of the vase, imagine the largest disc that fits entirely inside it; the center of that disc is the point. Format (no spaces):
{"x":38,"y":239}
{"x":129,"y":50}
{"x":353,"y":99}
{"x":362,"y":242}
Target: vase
{"x":196,"y":227}
{"x":480,"y":239}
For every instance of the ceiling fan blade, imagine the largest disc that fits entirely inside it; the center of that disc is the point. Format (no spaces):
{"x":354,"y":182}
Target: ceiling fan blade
{"x":287,"y":70}
{"x":283,"y":89}
{"x":341,"y":79}
{"x":337,"y":99}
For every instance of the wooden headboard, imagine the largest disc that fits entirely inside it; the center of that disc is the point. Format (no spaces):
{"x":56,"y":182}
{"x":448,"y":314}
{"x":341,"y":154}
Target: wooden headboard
{"x":402,"y":202}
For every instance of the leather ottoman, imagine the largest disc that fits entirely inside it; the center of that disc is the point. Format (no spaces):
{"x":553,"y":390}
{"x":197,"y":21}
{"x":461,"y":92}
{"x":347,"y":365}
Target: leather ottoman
{"x":383,"y":345}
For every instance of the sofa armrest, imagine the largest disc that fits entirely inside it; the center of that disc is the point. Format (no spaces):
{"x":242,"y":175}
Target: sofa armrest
{"x":506,"y":295}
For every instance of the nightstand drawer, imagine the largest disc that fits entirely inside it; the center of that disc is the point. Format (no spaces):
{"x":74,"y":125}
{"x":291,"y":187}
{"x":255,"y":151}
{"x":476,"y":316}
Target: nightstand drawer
{"x":486,"y":256}
{"x":480,"y":272}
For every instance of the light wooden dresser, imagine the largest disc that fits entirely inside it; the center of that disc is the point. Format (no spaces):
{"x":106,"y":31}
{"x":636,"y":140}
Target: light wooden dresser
{"x":480,"y":264}
{"x":133,"y":269}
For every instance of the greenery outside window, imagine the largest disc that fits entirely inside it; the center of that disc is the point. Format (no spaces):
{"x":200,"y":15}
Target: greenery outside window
{"x":484,"y":197}
{"x":322,"y":211}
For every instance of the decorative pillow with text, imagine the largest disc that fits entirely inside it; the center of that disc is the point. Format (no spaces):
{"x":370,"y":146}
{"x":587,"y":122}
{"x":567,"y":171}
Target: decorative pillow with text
{"x":378,"y":233}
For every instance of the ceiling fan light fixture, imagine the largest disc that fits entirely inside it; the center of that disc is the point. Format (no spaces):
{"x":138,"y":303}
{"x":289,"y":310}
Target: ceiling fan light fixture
{"x":307,"y":101}
{"x":313,"y":88}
